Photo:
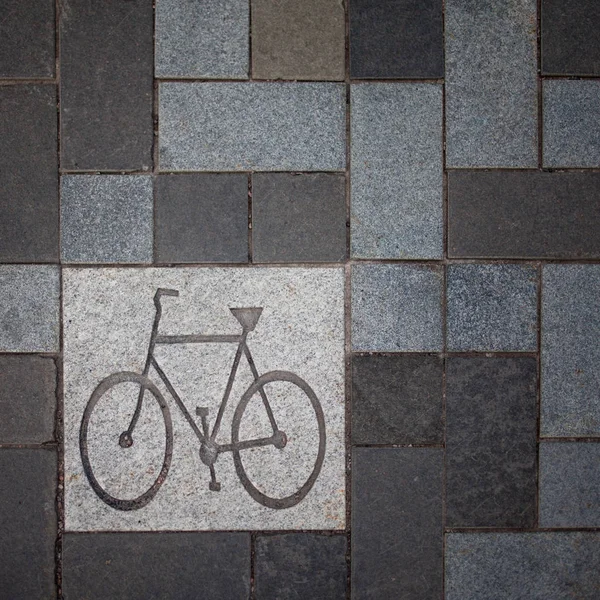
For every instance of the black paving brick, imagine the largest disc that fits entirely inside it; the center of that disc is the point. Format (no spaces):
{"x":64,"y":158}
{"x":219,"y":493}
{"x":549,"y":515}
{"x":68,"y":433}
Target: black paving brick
{"x":527,"y":214}
{"x":153,"y":566}
{"x":396,"y":399}
{"x":299,"y":566}
{"x":202,"y":218}
{"x":106,"y":84}
{"x":27,"y":524}
{"x":397,"y":523}
{"x":396,"y":39}
{"x":491,"y":424}
{"x":28,"y":174}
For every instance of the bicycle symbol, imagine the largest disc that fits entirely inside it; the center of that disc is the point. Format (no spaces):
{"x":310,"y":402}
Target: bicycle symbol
{"x":210,"y":449}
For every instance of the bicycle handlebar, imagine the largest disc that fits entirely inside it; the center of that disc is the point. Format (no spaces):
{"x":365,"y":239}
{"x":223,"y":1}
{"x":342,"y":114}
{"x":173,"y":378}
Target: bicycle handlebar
{"x":164,"y":292}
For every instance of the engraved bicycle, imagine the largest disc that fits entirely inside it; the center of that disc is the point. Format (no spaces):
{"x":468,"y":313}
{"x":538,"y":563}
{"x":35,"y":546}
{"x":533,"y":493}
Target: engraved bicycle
{"x":128,"y":384}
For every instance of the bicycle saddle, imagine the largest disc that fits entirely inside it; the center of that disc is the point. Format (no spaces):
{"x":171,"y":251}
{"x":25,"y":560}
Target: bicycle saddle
{"x":247,"y":317}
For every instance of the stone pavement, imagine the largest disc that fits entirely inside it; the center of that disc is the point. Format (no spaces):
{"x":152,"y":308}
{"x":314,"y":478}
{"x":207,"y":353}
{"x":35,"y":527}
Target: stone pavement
{"x":399,"y":201}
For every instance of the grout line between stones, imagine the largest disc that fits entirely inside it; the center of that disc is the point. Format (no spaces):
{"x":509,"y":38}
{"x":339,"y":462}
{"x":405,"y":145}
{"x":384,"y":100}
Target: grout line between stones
{"x":253,"y":565}
{"x":540,"y":115}
{"x":250,"y":222}
{"x":538,"y":395}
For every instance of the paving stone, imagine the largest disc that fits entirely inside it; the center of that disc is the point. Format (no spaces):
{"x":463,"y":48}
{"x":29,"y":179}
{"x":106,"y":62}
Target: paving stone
{"x":300,"y":565}
{"x":531,"y":214}
{"x":206,"y":39}
{"x":491,"y":427}
{"x":149,"y":566}
{"x":298,"y":40}
{"x":396,"y":155}
{"x":29,"y":308}
{"x":396,"y":39}
{"x":491,"y":308}
{"x":396,"y":308}
{"x":27,"y":34}
{"x":570,"y":37}
{"x":298,"y":218}
{"x":536,"y":566}
{"x":396,"y":399}
{"x":108,"y":319}
{"x":27,"y":399}
{"x":106,"y":218}
{"x":210,"y":126}
{"x":106,"y":84}
{"x":570,"y":405}
{"x":491,"y":83}
{"x":202,"y":218}
{"x":28,"y":523}
{"x":569,"y":486}
{"x":397,"y":528}
{"x":28,"y":162}
{"x":571,"y":123}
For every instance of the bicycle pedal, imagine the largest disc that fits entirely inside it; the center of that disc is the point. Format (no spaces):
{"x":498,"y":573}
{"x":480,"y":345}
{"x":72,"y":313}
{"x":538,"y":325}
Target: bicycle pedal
{"x":202,"y":411}
{"x":214,"y":486}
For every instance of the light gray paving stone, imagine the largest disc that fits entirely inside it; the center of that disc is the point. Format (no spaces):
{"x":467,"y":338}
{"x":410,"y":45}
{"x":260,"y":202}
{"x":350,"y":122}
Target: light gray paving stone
{"x":571,"y":123}
{"x":570,"y":404}
{"x":491,"y":83}
{"x":396,"y":308}
{"x":491,"y":308}
{"x":252,"y":126}
{"x":106,"y":218}
{"x":569,"y":484}
{"x":29,"y":308}
{"x":396,"y":178}
{"x":206,"y":39}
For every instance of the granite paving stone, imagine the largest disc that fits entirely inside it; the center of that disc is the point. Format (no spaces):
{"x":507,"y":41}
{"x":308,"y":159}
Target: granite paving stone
{"x":396,"y":39}
{"x":29,"y":308}
{"x":206,"y":126}
{"x":28,"y":522}
{"x":28,"y":163}
{"x":106,"y":84}
{"x":491,"y":426}
{"x":569,"y":485}
{"x":207,"y":39}
{"x":396,"y":308}
{"x":536,"y":566}
{"x":27,"y":34}
{"x":27,"y":399}
{"x":202,"y":218}
{"x":106,"y":218}
{"x":397,"y":528}
{"x":570,"y":405}
{"x":396,"y":399}
{"x":298,"y":217}
{"x":298,"y":40}
{"x":504,"y":214}
{"x":149,"y":566}
{"x":396,"y":177}
{"x":571,"y":123}
{"x":491,"y":308}
{"x":296,"y":566}
{"x":491,"y":83}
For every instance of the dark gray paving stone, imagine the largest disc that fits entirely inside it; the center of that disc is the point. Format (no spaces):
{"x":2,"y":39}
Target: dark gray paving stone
{"x":298,"y":218}
{"x":396,"y":39}
{"x":106,"y":84}
{"x":536,"y":566}
{"x":28,"y":523}
{"x":300,"y":565}
{"x":491,"y":427}
{"x":27,"y":399}
{"x":396,"y":399}
{"x":570,"y":37}
{"x":202,"y":218}
{"x":153,"y":566}
{"x":27,"y":34}
{"x":28,"y":163}
{"x":491,"y":308}
{"x":570,"y":405}
{"x":569,"y":484}
{"x":524,"y":214}
{"x":397,"y":523}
